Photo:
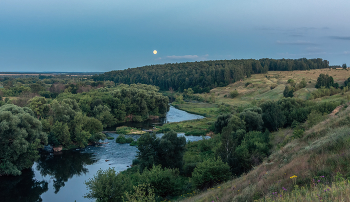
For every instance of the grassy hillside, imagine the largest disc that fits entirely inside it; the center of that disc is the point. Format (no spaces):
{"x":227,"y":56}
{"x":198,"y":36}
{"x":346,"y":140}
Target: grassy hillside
{"x":316,"y":159}
{"x":270,"y":86}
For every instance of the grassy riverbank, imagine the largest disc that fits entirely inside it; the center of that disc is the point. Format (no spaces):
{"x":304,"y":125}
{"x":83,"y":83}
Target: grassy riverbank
{"x":194,"y":127}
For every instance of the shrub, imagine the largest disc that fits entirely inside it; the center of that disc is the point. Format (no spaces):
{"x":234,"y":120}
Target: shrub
{"x":121,"y":139}
{"x":165,"y":182}
{"x":133,"y":143}
{"x":314,"y":118}
{"x":110,"y":138}
{"x":142,"y":192}
{"x":106,"y":185}
{"x":298,"y":133}
{"x":210,"y":172}
{"x":234,"y":94}
{"x":253,"y":120}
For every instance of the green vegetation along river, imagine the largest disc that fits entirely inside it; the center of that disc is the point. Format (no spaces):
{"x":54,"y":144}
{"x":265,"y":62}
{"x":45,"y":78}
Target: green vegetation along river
{"x":61,"y":177}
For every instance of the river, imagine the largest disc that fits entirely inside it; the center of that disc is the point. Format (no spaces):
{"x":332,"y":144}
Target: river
{"x":60,"y":177}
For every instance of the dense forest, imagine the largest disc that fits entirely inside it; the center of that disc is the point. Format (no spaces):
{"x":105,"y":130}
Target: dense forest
{"x":205,"y":75}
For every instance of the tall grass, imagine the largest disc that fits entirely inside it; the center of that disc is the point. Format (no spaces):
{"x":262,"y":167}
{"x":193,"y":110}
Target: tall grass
{"x":337,"y":191}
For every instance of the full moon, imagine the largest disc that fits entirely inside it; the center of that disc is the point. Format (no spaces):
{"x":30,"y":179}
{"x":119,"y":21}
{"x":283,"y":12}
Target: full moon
{"x":155,"y":52}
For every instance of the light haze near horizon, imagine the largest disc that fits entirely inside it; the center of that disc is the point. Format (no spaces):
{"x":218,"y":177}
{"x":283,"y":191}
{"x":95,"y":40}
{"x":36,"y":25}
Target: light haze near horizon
{"x":87,"y":35}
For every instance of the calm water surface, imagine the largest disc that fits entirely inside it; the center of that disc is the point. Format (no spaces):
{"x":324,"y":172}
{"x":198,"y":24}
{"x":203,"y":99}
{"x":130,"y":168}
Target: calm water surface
{"x":61,"y":177}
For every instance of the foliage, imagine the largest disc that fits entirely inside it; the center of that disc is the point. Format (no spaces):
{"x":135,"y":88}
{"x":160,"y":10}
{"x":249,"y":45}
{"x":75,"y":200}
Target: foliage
{"x":121,"y":139}
{"x":205,"y":75}
{"x":122,"y":103}
{"x":254,"y":147}
{"x":210,"y":172}
{"x":167,"y":151}
{"x":107,"y":186}
{"x":344,"y":66}
{"x":273,"y":116}
{"x":321,"y":92}
{"x":234,"y":94}
{"x":142,"y":192}
{"x":314,"y":117}
{"x":302,"y":84}
{"x":164,"y":181}
{"x":67,"y":125}
{"x":148,"y":147}
{"x":252,"y":119}
{"x":95,"y":137}
{"x":39,"y":106}
{"x":288,"y":91}
{"x":221,"y":122}
{"x":324,"y":81}
{"x":20,"y":137}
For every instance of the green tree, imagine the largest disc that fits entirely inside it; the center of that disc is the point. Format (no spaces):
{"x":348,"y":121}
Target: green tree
{"x":171,"y":150}
{"x":61,"y":133}
{"x":164,"y":181}
{"x":273,"y":116}
{"x":288,"y":91}
{"x":324,"y":80}
{"x":20,"y":137}
{"x":147,"y":147}
{"x":107,"y":186}
{"x":188,"y":92}
{"x":103,"y":114}
{"x":221,"y":122}
{"x":235,"y":123}
{"x":39,"y":106}
{"x":344,"y":66}
{"x":167,"y":151}
{"x":253,"y":120}
{"x":209,"y":172}
{"x":253,"y":148}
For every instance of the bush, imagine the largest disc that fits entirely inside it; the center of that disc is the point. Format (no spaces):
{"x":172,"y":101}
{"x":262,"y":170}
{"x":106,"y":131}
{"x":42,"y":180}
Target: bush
{"x":210,"y":172}
{"x":314,"y":118}
{"x":142,"y":192}
{"x":298,"y":133}
{"x":106,"y":185}
{"x":110,"y":138}
{"x":133,"y":143}
{"x":234,"y":94}
{"x":123,"y":130}
{"x":121,"y":139}
{"x":165,"y":182}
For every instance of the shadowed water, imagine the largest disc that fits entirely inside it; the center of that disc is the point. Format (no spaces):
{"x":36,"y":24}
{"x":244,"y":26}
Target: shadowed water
{"x":60,"y":177}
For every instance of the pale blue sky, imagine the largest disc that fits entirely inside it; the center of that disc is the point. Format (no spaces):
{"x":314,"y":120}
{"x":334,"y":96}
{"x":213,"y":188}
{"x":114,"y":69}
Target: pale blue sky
{"x":104,"y":35}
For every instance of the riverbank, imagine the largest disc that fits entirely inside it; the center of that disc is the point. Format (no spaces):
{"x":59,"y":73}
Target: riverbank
{"x":198,"y":127}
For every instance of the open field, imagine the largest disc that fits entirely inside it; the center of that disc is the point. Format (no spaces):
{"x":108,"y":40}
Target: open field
{"x":270,"y":86}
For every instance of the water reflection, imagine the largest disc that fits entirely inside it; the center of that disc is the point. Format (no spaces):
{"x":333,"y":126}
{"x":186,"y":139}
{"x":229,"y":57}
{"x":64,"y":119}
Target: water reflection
{"x":63,"y":166}
{"x":22,"y":188}
{"x":173,"y":115}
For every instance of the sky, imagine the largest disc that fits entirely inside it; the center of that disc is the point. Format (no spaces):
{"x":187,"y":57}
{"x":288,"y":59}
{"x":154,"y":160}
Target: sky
{"x":105,"y":35}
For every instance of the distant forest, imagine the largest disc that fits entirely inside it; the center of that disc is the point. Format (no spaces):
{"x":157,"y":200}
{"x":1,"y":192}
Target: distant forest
{"x":205,"y":75}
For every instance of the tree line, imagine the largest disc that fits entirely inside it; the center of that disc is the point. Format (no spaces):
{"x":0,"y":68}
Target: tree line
{"x":205,"y":75}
